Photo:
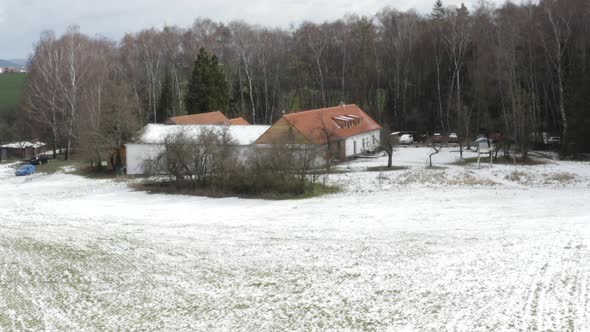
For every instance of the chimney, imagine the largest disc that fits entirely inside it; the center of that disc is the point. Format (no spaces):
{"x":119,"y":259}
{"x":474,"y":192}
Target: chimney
{"x":342,"y":104}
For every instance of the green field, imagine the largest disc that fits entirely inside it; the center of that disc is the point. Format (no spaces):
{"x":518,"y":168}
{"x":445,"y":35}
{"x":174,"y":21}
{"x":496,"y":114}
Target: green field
{"x":11,"y":89}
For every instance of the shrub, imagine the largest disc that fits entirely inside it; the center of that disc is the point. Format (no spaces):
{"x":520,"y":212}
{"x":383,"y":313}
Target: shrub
{"x":210,"y":161}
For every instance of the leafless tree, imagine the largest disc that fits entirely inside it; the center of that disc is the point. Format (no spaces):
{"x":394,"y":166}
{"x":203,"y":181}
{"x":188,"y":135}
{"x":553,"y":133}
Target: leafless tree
{"x":555,"y":44}
{"x":388,"y":142}
{"x":42,"y":100}
{"x":457,"y":38}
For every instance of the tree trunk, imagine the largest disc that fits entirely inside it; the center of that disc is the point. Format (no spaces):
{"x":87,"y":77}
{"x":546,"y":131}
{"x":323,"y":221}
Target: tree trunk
{"x":389,"y":158}
{"x":564,"y":124}
{"x":439,"y":94}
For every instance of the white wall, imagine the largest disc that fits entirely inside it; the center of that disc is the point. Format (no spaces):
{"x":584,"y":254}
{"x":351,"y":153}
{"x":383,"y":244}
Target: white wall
{"x":137,"y":154}
{"x":371,"y":142}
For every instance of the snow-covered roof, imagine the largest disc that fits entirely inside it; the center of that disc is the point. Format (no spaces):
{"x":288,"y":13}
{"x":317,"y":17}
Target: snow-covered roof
{"x":23,"y":145}
{"x":242,"y":134}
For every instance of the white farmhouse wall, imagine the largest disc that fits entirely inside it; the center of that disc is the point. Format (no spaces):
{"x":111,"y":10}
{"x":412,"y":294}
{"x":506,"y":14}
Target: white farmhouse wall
{"x":371,"y":140}
{"x":244,"y":152}
{"x":137,"y":154}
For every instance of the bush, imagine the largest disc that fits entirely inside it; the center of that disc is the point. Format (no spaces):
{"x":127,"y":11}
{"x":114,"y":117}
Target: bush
{"x":210,"y":163}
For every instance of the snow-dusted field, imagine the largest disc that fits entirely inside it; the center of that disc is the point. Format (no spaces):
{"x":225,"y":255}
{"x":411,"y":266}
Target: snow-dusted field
{"x":457,"y":248}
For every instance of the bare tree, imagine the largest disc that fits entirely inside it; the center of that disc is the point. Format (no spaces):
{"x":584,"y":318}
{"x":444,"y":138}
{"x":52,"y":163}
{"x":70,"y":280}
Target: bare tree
{"x":555,"y":45}
{"x":388,"y":142}
{"x":457,"y":39}
{"x":244,"y":42}
{"x":42,"y":100}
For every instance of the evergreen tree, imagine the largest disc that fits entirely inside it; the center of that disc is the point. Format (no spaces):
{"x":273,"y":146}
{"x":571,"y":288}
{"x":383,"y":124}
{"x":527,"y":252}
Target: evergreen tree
{"x":438,"y":11}
{"x":208,"y":89}
{"x":463,"y":12}
{"x":166,"y":99}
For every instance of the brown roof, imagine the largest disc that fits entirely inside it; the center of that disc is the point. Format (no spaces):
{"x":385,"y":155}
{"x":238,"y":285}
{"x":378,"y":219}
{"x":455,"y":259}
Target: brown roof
{"x":332,"y":123}
{"x":215,"y":118}
{"x":239,"y":121}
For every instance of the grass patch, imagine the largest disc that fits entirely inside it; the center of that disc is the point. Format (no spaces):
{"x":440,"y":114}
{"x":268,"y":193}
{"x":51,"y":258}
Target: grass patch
{"x":11,"y":161}
{"x":501,"y":161}
{"x":386,"y":169}
{"x":61,"y":166}
{"x":332,"y":171}
{"x":11,"y":89}
{"x":439,"y":177}
{"x":562,"y":178}
{"x":531,"y":178}
{"x":75,"y":167}
{"x":434,"y":167}
{"x":169,"y":187}
{"x":93,"y":173}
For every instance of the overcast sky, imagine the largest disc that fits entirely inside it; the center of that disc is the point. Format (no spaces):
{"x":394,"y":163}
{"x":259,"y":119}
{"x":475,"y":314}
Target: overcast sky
{"x":21,"y":21}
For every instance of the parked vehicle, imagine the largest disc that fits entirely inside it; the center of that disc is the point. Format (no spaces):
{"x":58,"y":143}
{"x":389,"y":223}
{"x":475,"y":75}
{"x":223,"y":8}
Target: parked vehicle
{"x":39,"y":160}
{"x":406,"y":139}
{"x":549,"y":139}
{"x":437,"y":138}
{"x":27,"y":169}
{"x":453,"y":138}
{"x":554,"y":140}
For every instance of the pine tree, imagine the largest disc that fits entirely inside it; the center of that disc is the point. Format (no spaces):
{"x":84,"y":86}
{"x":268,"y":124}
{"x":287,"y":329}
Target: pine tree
{"x":166,"y":99}
{"x":208,"y":89}
{"x":462,"y":11}
{"x":438,"y":11}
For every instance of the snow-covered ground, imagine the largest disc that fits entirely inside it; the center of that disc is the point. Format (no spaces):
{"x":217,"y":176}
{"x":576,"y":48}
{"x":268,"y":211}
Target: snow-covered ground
{"x":457,"y":248}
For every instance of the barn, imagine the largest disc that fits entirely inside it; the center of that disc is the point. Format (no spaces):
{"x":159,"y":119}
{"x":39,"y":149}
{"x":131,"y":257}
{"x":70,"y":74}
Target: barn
{"x":346,"y":130}
{"x":150,"y":141}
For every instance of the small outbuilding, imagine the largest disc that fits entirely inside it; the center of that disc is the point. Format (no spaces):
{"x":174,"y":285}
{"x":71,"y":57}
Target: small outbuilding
{"x":21,"y":150}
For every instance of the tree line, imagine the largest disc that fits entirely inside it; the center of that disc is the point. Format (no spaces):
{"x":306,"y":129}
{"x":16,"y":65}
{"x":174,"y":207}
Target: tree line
{"x":516,"y":70}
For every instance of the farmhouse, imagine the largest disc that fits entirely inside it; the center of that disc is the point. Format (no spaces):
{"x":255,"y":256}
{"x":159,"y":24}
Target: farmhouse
{"x":345,"y":130}
{"x":150,"y":141}
{"x":210,"y":118}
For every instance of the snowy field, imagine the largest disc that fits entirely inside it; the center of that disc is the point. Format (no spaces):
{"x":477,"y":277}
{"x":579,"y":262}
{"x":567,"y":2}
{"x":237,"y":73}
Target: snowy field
{"x":455,"y":248}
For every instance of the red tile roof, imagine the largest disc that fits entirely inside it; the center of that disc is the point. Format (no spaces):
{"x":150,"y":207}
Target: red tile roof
{"x":239,"y":121}
{"x":330,"y":124}
{"x":216,"y":118}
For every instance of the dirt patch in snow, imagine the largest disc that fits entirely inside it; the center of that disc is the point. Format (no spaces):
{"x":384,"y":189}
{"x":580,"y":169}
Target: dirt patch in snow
{"x":528,"y":178}
{"x":443,"y":178}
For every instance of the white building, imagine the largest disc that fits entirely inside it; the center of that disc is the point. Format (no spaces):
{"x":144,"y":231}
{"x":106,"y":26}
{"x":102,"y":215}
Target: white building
{"x":151,"y":141}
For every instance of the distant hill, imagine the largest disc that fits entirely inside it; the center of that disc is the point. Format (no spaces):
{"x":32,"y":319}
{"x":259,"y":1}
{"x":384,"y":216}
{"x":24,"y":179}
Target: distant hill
{"x":16,"y":63}
{"x":20,"y":62}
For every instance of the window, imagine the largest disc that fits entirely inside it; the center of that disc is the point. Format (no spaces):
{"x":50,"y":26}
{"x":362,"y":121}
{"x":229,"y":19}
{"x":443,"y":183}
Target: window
{"x":347,"y":121}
